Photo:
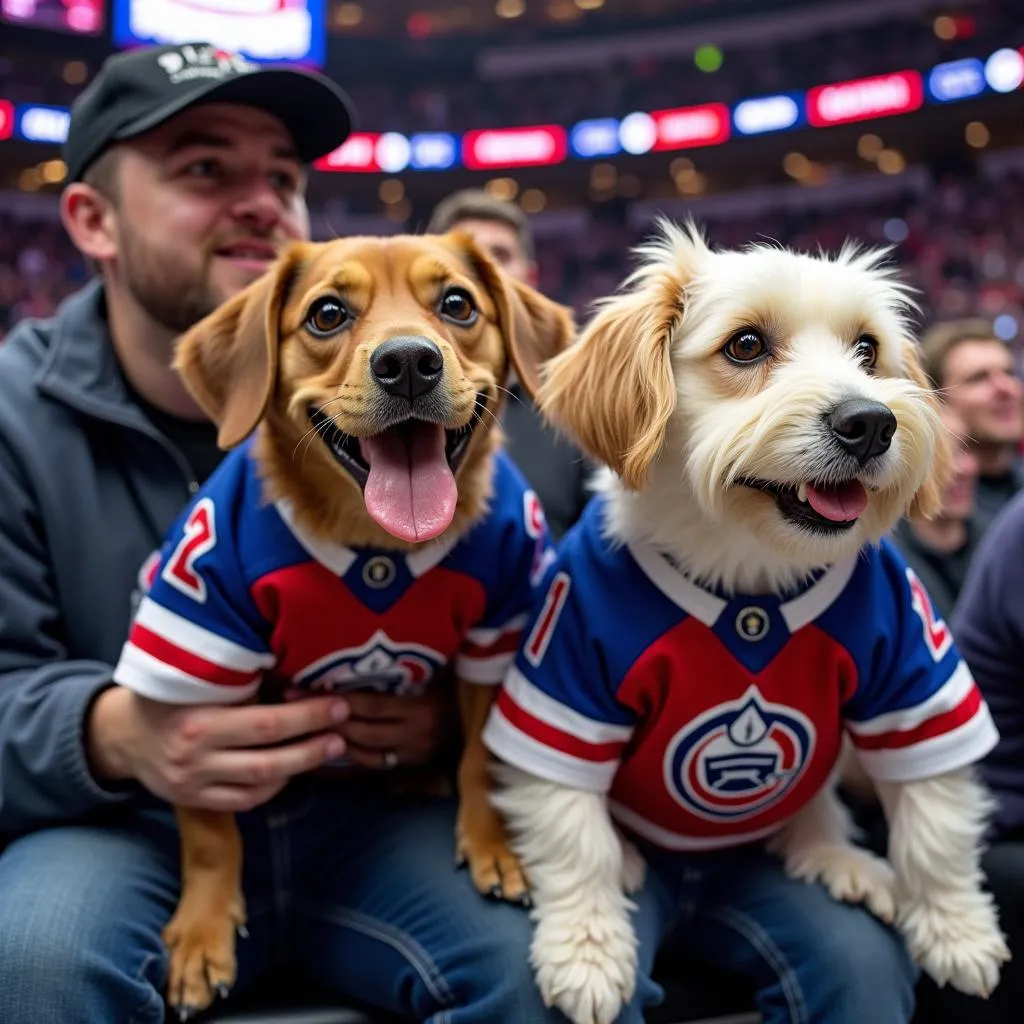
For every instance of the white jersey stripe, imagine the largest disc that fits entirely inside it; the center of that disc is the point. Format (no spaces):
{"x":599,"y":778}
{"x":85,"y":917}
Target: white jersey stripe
{"x":534,"y":700}
{"x":201,"y":642}
{"x":518,"y":749}
{"x":950,"y":695}
{"x":157,"y":680}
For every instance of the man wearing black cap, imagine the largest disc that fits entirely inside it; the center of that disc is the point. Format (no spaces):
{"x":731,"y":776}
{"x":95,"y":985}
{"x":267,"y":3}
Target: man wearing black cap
{"x":186,"y":173}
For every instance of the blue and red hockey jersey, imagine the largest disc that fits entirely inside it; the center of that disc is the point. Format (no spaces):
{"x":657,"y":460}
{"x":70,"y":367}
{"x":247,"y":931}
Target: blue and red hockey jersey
{"x":710,"y":720}
{"x":241,"y":590}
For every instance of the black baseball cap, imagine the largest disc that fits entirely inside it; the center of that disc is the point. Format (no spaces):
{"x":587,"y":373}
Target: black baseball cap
{"x":139,"y":89}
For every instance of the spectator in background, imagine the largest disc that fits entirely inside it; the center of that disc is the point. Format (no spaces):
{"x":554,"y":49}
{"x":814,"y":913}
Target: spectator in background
{"x":980,"y":382}
{"x":989,"y":629}
{"x":554,"y":467}
{"x":939,"y":550}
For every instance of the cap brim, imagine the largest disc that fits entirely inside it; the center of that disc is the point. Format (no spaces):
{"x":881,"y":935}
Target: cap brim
{"x":317,"y":113}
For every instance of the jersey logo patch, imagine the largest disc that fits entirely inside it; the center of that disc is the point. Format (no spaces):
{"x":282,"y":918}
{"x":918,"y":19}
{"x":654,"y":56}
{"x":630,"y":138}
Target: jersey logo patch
{"x":540,"y":636}
{"x":381,"y":664}
{"x":752,"y":623}
{"x":937,"y":636}
{"x":200,"y":537}
{"x":738,"y":758}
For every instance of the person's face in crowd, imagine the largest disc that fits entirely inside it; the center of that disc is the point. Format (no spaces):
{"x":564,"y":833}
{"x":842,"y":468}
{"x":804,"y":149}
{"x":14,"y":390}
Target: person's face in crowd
{"x":502,"y":243}
{"x":958,"y":499}
{"x":202,"y":203}
{"x":981,"y":383}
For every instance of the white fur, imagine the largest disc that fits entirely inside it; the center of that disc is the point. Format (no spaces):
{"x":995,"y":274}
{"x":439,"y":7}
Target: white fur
{"x":724,"y":535}
{"x":949,"y":921}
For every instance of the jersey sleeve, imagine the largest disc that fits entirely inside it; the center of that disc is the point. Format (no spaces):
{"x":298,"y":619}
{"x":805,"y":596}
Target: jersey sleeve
{"x":521,"y":547}
{"x":196,"y":637}
{"x":918,"y":711}
{"x":556,"y":715}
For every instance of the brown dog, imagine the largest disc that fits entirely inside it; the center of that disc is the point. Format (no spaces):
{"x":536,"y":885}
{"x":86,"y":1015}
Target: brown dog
{"x":372,"y":372}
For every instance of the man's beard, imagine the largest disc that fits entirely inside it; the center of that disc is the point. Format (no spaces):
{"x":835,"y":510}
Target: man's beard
{"x":173,"y":295}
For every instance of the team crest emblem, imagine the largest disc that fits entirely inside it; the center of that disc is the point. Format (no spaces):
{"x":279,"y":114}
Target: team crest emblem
{"x":380,"y":664}
{"x":752,"y":623}
{"x":738,"y":758}
{"x":379,"y":572}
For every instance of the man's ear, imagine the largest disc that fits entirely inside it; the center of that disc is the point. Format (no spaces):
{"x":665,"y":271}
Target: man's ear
{"x":229,"y":359}
{"x":535,"y":328}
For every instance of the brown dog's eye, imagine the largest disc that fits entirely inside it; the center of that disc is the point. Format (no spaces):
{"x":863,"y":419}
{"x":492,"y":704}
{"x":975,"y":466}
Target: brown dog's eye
{"x":458,"y":306}
{"x":745,"y":346}
{"x":326,"y":316}
{"x":866,"y":350}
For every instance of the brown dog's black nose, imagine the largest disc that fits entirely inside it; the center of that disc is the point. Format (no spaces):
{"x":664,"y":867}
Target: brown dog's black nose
{"x":407,"y":367}
{"x":864,"y":428}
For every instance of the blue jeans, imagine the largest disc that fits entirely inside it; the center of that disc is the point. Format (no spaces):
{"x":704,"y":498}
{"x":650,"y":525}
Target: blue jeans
{"x":354,"y":890}
{"x":810,"y":959}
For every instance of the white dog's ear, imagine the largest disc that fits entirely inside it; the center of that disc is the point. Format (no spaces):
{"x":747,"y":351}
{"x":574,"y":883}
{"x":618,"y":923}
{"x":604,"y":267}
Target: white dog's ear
{"x":614,"y":390}
{"x":927,"y":502}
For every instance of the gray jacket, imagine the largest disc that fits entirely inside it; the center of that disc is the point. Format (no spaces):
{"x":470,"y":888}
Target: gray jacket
{"x":88,"y":487}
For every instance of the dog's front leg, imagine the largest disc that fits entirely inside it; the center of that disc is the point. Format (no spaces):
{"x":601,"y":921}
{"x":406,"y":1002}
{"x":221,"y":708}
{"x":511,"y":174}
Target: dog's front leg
{"x":584,"y":949}
{"x":815,"y":846}
{"x":950,"y":922}
{"x":480,"y":837}
{"x":211,"y":909}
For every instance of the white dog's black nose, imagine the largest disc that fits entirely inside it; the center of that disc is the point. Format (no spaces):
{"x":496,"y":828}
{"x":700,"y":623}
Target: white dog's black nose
{"x":407,"y":366}
{"x":864,"y":428}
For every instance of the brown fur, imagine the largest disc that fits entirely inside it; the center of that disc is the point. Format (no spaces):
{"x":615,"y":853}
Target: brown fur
{"x":616,"y":394}
{"x":252,"y":366}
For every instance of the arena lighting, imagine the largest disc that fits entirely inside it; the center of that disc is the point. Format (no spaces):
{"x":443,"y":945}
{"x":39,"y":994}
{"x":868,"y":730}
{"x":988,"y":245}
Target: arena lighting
{"x":864,"y":98}
{"x":536,"y":146}
{"x":596,"y":137}
{"x":637,"y":133}
{"x":1004,"y":70}
{"x":357,"y":153}
{"x":433,"y":151}
{"x":768,"y":113}
{"x":37,"y":123}
{"x":706,"y":125}
{"x":956,"y":80}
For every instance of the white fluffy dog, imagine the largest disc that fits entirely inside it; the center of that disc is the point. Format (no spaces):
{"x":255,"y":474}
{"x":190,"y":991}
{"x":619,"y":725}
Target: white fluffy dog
{"x":727,"y":610}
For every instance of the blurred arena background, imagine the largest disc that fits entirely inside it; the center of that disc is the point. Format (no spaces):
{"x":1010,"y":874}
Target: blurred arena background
{"x":804,"y":121}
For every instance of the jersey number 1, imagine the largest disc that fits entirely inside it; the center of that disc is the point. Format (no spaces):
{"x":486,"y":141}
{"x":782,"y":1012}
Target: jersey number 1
{"x":200,"y":537}
{"x":937,"y":636}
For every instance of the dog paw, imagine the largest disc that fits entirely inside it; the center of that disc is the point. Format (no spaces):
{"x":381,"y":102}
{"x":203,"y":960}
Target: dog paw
{"x":850,"y":874}
{"x":494,"y":868}
{"x":202,"y":956}
{"x":585,"y":964}
{"x":956,"y":939}
{"x":633,"y":867}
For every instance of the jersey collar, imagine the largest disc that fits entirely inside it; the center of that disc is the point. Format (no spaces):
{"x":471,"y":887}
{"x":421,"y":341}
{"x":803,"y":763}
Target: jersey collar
{"x":339,"y":558}
{"x":706,"y":606}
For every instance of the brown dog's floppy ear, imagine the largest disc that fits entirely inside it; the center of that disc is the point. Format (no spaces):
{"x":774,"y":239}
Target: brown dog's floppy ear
{"x":614,"y":391}
{"x":229,"y":359}
{"x":927,"y":502}
{"x":535,"y":328}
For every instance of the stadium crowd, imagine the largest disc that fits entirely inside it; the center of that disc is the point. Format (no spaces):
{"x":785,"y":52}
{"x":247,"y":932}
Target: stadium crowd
{"x":961,"y":244}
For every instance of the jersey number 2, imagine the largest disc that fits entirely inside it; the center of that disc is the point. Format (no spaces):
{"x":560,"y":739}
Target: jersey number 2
{"x":937,"y":636}
{"x":200,"y":537}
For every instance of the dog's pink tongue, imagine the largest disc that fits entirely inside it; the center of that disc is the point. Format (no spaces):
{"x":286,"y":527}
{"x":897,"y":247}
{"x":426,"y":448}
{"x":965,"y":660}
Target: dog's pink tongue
{"x":840,"y":504}
{"x":410,"y":492}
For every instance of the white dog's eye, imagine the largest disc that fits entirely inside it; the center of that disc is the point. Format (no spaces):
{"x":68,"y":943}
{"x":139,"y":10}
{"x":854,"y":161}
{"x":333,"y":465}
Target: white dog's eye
{"x":866,"y":349}
{"x":745,"y":346}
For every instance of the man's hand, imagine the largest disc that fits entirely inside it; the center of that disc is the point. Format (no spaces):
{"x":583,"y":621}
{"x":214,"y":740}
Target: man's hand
{"x":412,"y":729}
{"x":216,"y":758}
